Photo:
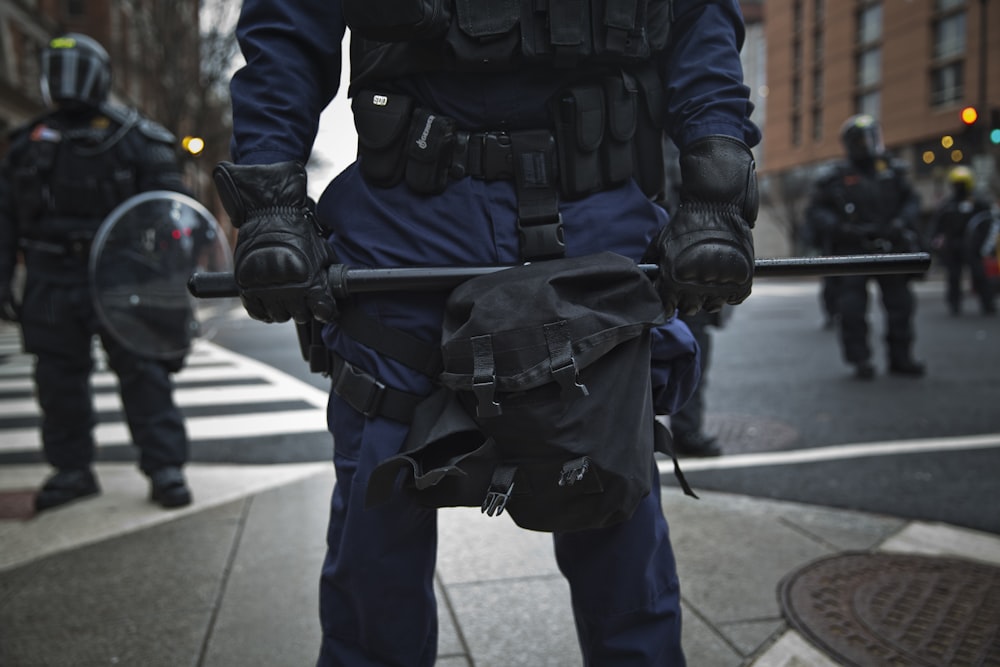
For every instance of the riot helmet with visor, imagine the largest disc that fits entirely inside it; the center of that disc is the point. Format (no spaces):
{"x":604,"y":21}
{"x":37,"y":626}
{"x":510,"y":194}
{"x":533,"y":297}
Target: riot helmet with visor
{"x":862,"y":139}
{"x":76,"y":71}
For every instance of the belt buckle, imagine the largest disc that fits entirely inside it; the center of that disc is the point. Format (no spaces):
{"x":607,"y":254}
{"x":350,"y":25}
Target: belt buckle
{"x":497,"y":157}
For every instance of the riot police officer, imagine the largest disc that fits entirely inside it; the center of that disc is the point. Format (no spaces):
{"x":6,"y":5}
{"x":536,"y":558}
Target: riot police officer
{"x":866,"y":204}
{"x":961,"y":227}
{"x":489,"y":133}
{"x":65,"y":171}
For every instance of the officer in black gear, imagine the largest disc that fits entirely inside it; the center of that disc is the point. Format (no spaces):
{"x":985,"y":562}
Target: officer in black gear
{"x":866,"y":204}
{"x":66,"y":170}
{"x":961,"y":227}
{"x":489,"y":133}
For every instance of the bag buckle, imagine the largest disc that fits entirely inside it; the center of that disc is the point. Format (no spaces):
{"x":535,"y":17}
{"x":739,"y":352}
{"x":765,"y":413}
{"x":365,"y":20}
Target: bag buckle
{"x":501,"y":486}
{"x":497,"y":158}
{"x":574,"y":471}
{"x":543,"y":240}
{"x":485,"y":393}
{"x":362,"y":391}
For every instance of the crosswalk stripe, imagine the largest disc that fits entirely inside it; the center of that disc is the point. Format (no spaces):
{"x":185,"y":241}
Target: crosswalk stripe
{"x":214,"y":379}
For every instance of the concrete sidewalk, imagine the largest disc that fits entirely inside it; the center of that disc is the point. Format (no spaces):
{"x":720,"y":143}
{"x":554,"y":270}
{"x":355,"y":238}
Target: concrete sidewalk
{"x":232,"y":580}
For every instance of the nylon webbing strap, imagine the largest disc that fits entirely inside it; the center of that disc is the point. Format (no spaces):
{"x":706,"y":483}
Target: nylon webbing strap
{"x":538,"y":220}
{"x":366,"y":394}
{"x":663,"y":442}
{"x":395,"y":343}
{"x":484,"y":380}
{"x":561,"y":360}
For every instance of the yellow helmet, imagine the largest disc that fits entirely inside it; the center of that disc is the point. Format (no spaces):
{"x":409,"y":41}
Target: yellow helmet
{"x":962,"y":174}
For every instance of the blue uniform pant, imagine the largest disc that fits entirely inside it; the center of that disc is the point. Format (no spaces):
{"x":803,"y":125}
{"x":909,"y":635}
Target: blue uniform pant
{"x":899,"y":304}
{"x":58,"y":323}
{"x":377,"y":601}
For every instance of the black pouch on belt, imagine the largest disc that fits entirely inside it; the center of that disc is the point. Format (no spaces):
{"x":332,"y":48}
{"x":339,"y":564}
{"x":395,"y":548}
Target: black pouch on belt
{"x":621,"y":94}
{"x":578,"y":114}
{"x":382,"y":120}
{"x":429,"y":150}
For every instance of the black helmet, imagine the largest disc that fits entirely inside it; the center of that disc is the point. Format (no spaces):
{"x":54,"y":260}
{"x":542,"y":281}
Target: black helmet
{"x":75,"y":70}
{"x":862,"y":138}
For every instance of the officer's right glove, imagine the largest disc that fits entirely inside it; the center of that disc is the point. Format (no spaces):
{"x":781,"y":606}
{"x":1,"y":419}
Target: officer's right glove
{"x":280,"y":259}
{"x":705,"y":253}
{"x":9,"y":309}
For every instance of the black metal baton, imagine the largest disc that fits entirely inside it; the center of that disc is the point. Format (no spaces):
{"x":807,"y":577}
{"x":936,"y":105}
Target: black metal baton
{"x":345,"y":281}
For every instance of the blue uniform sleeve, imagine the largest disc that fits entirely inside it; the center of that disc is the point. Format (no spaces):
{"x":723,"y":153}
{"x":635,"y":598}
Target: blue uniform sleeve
{"x":704,"y":76}
{"x":292,"y":71}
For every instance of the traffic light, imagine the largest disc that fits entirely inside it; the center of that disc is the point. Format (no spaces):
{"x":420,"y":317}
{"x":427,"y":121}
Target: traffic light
{"x":995,"y":126}
{"x":971,"y":139}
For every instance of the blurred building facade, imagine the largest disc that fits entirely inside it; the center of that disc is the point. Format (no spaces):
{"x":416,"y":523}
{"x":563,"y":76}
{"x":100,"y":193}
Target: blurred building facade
{"x":913,"y":64}
{"x":123,"y":27}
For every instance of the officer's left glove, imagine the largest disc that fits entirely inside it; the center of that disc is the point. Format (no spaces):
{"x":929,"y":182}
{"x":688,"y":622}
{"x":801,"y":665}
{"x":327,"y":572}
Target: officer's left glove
{"x":280,"y":259}
{"x":705,"y":253}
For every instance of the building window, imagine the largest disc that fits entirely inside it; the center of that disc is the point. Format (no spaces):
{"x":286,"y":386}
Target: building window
{"x":869,"y":68}
{"x":868,"y":59}
{"x":817,"y":123}
{"x":946,"y":84}
{"x":870,"y":25}
{"x":949,"y":36}
{"x":869,"y":103}
{"x":948,"y":53}
{"x":945,"y":5}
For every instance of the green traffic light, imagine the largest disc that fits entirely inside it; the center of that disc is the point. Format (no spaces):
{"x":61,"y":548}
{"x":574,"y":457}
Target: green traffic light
{"x":995,"y":136}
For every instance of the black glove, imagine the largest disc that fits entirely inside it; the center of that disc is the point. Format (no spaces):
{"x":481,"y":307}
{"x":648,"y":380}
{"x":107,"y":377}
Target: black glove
{"x":280,"y":259}
{"x":9,"y":308}
{"x":706,"y":253}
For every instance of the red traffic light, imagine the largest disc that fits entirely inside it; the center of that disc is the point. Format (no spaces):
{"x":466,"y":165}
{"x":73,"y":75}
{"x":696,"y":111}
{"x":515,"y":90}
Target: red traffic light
{"x":970,"y":115}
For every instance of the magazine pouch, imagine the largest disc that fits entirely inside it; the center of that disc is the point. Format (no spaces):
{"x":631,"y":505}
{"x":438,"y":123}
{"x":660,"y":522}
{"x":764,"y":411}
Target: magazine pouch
{"x":397,"y":20}
{"x":382,"y":121}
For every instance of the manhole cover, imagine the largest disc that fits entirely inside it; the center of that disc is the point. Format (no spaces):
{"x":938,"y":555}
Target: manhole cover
{"x":897,"y":610}
{"x":743,"y":434}
{"x":17,"y":504}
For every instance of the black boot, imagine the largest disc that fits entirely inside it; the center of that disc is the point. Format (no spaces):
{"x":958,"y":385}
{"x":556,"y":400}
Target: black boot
{"x":907,"y":366}
{"x":863,"y":370}
{"x":66,"y":486}
{"x":696,"y":444}
{"x":168,"y":488}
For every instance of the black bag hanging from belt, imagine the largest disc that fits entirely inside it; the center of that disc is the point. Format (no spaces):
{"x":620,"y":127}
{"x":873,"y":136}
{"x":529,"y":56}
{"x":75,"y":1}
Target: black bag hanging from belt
{"x":545,"y":409}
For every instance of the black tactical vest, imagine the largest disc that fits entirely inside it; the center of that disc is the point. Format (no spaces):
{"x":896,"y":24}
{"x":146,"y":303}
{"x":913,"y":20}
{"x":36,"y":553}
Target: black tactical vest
{"x":393,"y":38}
{"x":70,"y":175}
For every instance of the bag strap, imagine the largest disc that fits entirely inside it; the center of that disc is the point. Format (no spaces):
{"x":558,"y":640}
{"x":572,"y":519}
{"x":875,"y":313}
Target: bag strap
{"x":369,"y":396}
{"x":484,"y":376}
{"x":562,"y":364}
{"x":395,"y":343}
{"x":663,"y":443}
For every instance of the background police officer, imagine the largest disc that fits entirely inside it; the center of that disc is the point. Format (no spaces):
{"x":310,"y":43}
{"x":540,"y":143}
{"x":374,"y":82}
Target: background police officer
{"x":961,"y":227}
{"x":64,"y":172}
{"x":486,"y":136}
{"x":862,"y":205}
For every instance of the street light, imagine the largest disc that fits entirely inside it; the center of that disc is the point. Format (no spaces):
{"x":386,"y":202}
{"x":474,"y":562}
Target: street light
{"x":193,"y":145}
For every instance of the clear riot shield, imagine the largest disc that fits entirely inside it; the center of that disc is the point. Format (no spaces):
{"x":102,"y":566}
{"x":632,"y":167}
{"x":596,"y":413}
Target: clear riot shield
{"x":140,"y":262}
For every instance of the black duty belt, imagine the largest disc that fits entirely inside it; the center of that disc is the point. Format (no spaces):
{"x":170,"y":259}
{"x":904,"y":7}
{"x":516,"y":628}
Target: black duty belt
{"x":485,"y":155}
{"x":74,"y":248}
{"x":369,"y":396}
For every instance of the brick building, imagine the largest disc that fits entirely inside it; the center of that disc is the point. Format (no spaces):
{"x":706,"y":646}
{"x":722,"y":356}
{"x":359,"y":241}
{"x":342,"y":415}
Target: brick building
{"x":914,"y":64}
{"x":148,"y":73}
